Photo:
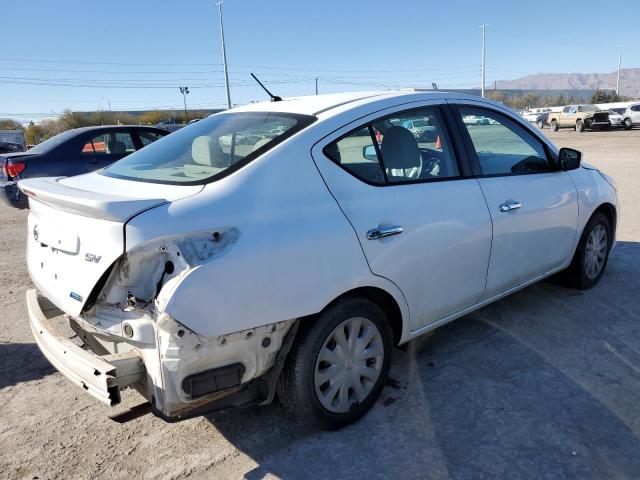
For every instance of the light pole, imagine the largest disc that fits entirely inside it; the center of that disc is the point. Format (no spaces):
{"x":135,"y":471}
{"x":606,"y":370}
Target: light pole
{"x":224,"y":56}
{"x":619,"y":65}
{"x":483,"y":58}
{"x":184,"y":91}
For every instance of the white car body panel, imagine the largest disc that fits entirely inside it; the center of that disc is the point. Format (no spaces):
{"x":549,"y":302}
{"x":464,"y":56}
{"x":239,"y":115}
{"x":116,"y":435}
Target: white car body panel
{"x":280,"y":239}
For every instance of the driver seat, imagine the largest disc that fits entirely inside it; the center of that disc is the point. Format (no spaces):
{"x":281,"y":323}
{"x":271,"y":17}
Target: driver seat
{"x":400,"y":155}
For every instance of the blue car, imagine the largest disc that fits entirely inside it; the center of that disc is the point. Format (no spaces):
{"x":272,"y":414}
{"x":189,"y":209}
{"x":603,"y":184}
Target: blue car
{"x":70,"y":153}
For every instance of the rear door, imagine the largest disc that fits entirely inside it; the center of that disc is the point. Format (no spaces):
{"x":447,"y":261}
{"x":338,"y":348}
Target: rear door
{"x":533,"y":205}
{"x":421,"y":223}
{"x":103,"y":148}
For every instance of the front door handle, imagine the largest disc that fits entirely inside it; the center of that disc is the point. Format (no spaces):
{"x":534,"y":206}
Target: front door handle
{"x":381,"y":232}
{"x":510,"y":205}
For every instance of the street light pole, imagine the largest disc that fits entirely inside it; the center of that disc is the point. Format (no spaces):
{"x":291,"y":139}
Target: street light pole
{"x":619,"y":65}
{"x":184,"y":91}
{"x":224,"y":56}
{"x":483,"y":59}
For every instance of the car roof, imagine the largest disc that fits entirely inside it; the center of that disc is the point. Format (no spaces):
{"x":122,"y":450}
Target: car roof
{"x":113,"y":127}
{"x":328,"y":104}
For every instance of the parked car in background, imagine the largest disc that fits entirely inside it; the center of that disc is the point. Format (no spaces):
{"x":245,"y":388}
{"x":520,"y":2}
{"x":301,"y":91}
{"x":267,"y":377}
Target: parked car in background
{"x":207,"y":273}
{"x":580,"y":117}
{"x":8,"y":147}
{"x":73,"y":152}
{"x":615,"y":118}
{"x":631,"y":116}
{"x":15,"y":137}
{"x":539,"y":116}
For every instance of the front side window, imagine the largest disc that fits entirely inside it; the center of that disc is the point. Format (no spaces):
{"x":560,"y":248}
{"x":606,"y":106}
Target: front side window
{"x":147,"y":137}
{"x":502,"y":146}
{"x":409,"y":146}
{"x":206,"y":150}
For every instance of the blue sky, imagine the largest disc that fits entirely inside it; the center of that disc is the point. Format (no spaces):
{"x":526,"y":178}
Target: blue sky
{"x":136,"y":53}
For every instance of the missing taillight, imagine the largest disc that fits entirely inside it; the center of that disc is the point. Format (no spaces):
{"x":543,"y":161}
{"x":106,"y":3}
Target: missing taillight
{"x":12,"y":170}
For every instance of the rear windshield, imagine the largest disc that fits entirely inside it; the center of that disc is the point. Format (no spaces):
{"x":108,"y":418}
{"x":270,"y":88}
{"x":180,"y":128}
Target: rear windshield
{"x":52,"y":142}
{"x":209,"y":149}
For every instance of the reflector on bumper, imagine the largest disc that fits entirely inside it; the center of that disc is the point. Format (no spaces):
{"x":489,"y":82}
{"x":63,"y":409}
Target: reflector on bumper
{"x":102,"y":377}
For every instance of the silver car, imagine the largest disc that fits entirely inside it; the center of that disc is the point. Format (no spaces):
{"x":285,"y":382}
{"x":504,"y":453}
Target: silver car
{"x":631,"y":116}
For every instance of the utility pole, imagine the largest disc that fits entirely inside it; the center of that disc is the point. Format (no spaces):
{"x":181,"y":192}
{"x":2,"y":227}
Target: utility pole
{"x":224,"y":56}
{"x":483,"y":58}
{"x":184,"y":91}
{"x":619,"y":65}
{"x":316,"y":85}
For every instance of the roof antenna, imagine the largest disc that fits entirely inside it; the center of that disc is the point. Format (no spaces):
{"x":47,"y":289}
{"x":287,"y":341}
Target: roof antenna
{"x":274,"y":98}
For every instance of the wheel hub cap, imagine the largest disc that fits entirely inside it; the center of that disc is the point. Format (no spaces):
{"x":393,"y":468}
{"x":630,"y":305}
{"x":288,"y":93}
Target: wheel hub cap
{"x":348,"y":364}
{"x":595,"y":251}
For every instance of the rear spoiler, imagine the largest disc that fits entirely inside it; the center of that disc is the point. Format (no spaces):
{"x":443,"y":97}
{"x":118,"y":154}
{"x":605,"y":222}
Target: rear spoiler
{"x":115,"y":208}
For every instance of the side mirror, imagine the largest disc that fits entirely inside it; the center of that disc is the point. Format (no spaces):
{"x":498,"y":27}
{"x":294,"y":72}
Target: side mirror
{"x":369,"y":152}
{"x":569,"y":159}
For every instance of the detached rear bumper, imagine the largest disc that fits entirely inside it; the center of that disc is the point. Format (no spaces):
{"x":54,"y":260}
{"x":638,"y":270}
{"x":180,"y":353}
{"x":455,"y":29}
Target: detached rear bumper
{"x":101,"y":376}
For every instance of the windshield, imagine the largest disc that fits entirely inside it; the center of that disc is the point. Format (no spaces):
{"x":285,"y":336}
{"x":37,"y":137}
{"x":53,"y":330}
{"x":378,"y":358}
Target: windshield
{"x":209,"y":149}
{"x":52,"y":142}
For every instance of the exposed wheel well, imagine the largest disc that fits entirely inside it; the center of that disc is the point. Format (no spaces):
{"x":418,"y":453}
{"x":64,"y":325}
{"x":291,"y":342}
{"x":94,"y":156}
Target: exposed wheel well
{"x":385,"y":301}
{"x":609,"y":211}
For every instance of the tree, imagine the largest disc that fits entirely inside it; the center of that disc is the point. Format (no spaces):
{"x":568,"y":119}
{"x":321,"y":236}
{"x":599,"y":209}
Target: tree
{"x":153,"y":117}
{"x":600,"y":96}
{"x":34,"y":134}
{"x":9,"y":124}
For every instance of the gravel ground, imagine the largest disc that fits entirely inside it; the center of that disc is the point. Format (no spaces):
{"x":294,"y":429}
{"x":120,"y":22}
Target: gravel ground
{"x":543,"y":384}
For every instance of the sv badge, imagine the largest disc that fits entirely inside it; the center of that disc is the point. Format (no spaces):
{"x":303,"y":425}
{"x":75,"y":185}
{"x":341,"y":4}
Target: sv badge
{"x":90,"y":257}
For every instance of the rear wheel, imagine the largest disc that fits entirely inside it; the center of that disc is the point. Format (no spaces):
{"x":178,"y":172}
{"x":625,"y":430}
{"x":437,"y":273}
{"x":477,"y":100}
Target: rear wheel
{"x":554,"y":125}
{"x":591,"y":256}
{"x":338,"y":365}
{"x":579,"y":126}
{"x":628,"y":124}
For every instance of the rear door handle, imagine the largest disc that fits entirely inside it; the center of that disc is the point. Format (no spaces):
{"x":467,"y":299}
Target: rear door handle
{"x":510,"y":205}
{"x":382,"y":232}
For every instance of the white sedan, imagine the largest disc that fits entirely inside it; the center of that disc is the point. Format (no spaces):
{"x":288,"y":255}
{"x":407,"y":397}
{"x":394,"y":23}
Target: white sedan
{"x":286,"y":248}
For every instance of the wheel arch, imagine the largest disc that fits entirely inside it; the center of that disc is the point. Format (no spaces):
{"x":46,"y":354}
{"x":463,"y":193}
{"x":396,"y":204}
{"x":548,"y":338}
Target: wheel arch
{"x":383,"y":299}
{"x":609,"y":211}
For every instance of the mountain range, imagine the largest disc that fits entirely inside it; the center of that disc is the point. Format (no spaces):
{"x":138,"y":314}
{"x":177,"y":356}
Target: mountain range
{"x":629,"y":81}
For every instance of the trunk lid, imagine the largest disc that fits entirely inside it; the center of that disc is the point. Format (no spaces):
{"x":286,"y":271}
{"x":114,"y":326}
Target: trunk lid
{"x":76,"y":230}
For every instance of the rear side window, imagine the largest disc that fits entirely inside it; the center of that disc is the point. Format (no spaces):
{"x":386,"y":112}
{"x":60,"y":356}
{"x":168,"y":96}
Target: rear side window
{"x":501,"y":145}
{"x":113,"y":143}
{"x":406,"y":147}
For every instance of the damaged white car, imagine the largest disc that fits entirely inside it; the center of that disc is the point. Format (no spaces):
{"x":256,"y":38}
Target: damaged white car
{"x":287,"y":247}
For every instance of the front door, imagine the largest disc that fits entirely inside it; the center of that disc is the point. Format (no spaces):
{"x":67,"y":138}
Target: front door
{"x":533,"y":206}
{"x":420,"y":223}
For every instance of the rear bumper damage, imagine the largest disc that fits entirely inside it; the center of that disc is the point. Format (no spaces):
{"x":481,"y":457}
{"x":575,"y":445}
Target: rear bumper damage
{"x":182,"y":374}
{"x":101,"y":376}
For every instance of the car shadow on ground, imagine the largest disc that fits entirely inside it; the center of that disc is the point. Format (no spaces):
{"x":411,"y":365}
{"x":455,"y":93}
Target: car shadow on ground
{"x":22,"y":362}
{"x":542,"y":384}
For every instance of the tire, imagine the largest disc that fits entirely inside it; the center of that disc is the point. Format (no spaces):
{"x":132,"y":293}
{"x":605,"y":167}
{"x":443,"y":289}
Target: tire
{"x":628,"y":124}
{"x":300,"y":389}
{"x":540,"y":124}
{"x":578,"y":274}
{"x":554,"y":125}
{"x":579,"y":126}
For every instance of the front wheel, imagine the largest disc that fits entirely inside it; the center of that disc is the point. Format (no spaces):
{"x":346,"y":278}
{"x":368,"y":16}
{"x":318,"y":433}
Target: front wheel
{"x":338,"y":365}
{"x":540,"y":124}
{"x":579,"y":126}
{"x":554,"y":125}
{"x":591,"y":256}
{"x":628,"y":124}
